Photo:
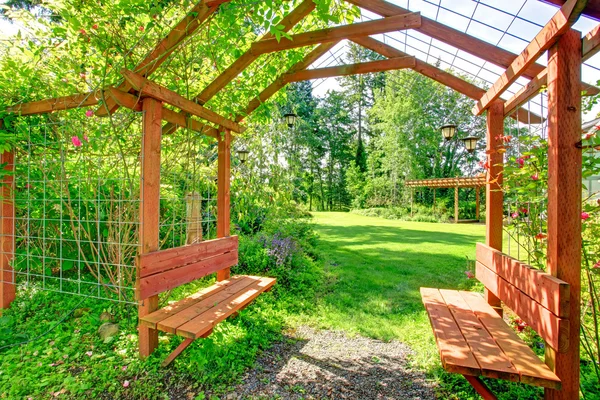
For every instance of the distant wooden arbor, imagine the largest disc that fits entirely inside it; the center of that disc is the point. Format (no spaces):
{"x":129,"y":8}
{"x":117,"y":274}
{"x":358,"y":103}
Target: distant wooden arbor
{"x":448,"y":183}
{"x":567,"y":50}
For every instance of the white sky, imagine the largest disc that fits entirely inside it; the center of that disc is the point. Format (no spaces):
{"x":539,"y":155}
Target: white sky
{"x":508,"y":24}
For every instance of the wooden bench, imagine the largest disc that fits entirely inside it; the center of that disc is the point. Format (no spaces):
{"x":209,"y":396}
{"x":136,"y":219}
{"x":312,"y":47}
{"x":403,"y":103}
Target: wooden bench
{"x":195,"y":316}
{"x":474,"y":340}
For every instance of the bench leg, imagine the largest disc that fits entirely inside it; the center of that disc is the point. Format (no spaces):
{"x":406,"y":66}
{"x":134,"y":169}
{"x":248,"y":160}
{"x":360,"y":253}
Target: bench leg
{"x":480,"y":387}
{"x":177,"y":352}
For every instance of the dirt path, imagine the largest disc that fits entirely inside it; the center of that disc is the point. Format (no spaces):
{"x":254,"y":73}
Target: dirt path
{"x":311,"y":364}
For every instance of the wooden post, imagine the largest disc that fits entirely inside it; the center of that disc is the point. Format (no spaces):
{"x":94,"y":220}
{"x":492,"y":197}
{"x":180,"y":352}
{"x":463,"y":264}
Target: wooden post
{"x":477,"y":203}
{"x":223,"y":210}
{"x":7,"y":231}
{"x":564,"y":198}
{"x":412,"y":195}
{"x":494,"y":202}
{"x":456,"y":205}
{"x":434,"y":199}
{"x":150,"y":209}
{"x":194,"y":218}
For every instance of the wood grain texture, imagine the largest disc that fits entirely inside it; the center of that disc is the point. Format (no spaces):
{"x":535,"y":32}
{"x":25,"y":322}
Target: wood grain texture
{"x":7,"y":230}
{"x":550,"y":33}
{"x":57,"y":104}
{"x":207,"y":320}
{"x":564,"y":196}
{"x":154,"y":90}
{"x":384,"y":25}
{"x":149,"y":209}
{"x":590,"y":45}
{"x":352,"y":69}
{"x":223,"y":193}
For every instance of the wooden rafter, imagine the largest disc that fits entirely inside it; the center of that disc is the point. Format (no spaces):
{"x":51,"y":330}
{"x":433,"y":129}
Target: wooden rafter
{"x":550,"y":33}
{"x":384,"y":25}
{"x":590,"y":46}
{"x":57,"y":104}
{"x":469,"y":182}
{"x":246,"y":59}
{"x":179,"y":119}
{"x":187,"y":26}
{"x":592,"y":9}
{"x":352,"y":69}
{"x":463,"y":41}
{"x":151,"y":89}
{"x":438,"y":75}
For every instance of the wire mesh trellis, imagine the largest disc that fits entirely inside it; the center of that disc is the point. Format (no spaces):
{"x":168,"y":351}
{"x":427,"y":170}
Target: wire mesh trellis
{"x":77,"y":201}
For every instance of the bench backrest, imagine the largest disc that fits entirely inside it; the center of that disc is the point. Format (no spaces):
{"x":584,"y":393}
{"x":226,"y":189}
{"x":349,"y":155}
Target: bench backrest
{"x":163,"y":270}
{"x":538,"y":298}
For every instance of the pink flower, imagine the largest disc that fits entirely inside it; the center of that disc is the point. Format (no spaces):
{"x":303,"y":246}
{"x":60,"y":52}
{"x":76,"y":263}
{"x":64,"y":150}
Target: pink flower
{"x":141,"y":29}
{"x":76,"y":142}
{"x":88,"y":353}
{"x":89,"y":113}
{"x":535,"y":177}
{"x":540,"y":236}
{"x":124,"y":368}
{"x":126,"y":384}
{"x":584,"y":215}
{"x":469,"y":274}
{"x":521,"y":162}
{"x":95,"y":26}
{"x":515,"y":215}
{"x":86,"y":138}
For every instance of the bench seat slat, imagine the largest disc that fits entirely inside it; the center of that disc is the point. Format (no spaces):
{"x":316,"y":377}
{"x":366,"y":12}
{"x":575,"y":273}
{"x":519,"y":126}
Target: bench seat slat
{"x":455,"y":353}
{"x":206,"y":321}
{"x":530,"y":369}
{"x":492,"y":360}
{"x":151,"y":320}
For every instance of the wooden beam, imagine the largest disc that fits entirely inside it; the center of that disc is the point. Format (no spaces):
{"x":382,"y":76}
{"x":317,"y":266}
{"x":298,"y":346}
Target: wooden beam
{"x":249,"y":57}
{"x":151,"y":89}
{"x":150,"y":209}
{"x":223,"y":189}
{"x":463,"y":41}
{"x":590,"y":46}
{"x":186,"y":27}
{"x":456,"y":205}
{"x":592,"y":9}
{"x":384,"y":25}
{"x":494,"y":198}
{"x":438,"y":75}
{"x":564,"y":198}
{"x":280,"y":83}
{"x":549,"y":35}
{"x":352,"y":69}
{"x":7,"y":230}
{"x":57,"y":104}
{"x":175,"y":118}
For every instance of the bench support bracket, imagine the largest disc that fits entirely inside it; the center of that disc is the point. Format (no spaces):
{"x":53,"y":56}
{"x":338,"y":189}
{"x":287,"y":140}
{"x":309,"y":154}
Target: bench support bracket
{"x":480,"y":387}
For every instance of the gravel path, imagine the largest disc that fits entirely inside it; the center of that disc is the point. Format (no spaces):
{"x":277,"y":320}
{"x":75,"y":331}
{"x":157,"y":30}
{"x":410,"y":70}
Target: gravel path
{"x":312,"y":364}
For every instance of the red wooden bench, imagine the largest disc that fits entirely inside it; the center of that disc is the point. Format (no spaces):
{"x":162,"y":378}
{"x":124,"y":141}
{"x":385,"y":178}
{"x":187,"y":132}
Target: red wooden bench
{"x":195,"y":316}
{"x":474,"y":340}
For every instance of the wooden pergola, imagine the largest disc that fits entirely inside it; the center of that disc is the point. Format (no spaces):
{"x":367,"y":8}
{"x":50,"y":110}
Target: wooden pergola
{"x":567,"y":50}
{"x":448,"y":183}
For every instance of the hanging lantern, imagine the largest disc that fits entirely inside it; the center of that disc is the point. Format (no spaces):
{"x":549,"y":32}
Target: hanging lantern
{"x":243,"y":155}
{"x":470,"y":143}
{"x":290,"y":119}
{"x":448,"y":131}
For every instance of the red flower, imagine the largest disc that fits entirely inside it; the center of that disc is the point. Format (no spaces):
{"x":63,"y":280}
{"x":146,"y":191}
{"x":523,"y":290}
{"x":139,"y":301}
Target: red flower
{"x":83,"y":32}
{"x":540,"y":236}
{"x":520,"y":324}
{"x":141,"y":28}
{"x":597,"y":265}
{"x":524,"y":210}
{"x":89,"y":113}
{"x":95,"y":26}
{"x":584,"y":215}
{"x":535,"y":177}
{"x":469,"y":274}
{"x":76,"y":142}
{"x":589,"y":135}
{"x":521,"y":162}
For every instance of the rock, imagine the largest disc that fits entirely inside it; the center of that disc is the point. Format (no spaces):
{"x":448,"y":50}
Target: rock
{"x":106,"y":317}
{"x":107,"y":331}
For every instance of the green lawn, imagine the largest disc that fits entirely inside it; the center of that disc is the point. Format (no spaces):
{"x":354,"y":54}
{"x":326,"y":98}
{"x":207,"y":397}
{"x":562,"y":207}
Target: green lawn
{"x":377,"y":266}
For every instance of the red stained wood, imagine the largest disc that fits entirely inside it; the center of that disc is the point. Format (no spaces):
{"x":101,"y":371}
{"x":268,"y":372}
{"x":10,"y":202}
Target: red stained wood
{"x":384,"y":25}
{"x":207,"y":320}
{"x":161,"y":282}
{"x":455,"y":353}
{"x":149,"y":210}
{"x":549,"y":34}
{"x":57,"y":104}
{"x":564,"y":196}
{"x":223,"y":193}
{"x":7,"y":231}
{"x":590,"y":44}
{"x":164,"y":260}
{"x":480,"y":387}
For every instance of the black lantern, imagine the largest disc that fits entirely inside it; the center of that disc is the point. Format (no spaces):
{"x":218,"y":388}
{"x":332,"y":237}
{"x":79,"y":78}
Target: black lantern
{"x":448,"y":131}
{"x":290,"y":119}
{"x":243,"y":155}
{"x":470,"y":143}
